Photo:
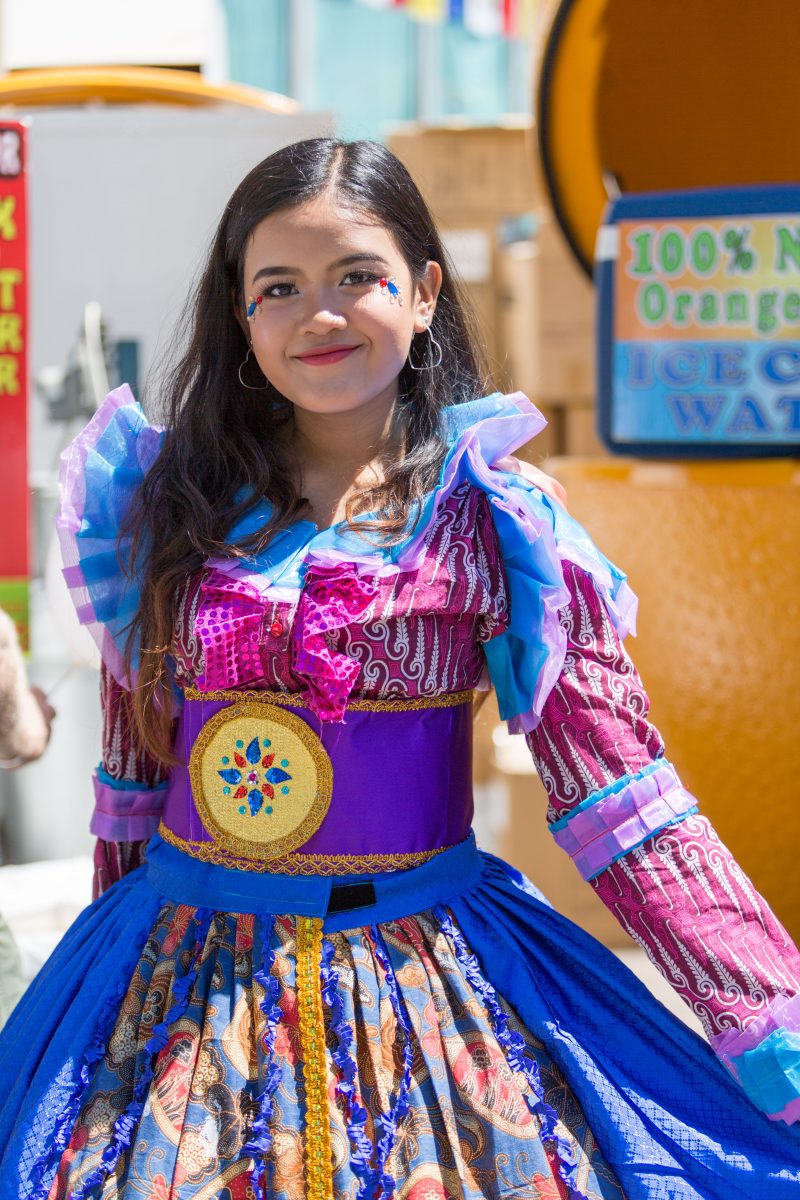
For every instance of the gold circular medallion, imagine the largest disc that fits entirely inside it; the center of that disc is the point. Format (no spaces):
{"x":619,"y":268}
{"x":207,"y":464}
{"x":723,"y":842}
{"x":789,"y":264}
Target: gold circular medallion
{"x":261,"y":778}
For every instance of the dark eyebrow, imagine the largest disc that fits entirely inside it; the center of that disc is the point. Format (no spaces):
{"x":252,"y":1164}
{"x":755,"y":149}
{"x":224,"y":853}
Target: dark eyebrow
{"x":348,"y":260}
{"x":355,"y":258}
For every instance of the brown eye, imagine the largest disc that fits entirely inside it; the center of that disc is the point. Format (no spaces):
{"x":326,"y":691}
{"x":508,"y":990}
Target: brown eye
{"x":359,"y":277}
{"x":276,"y":291}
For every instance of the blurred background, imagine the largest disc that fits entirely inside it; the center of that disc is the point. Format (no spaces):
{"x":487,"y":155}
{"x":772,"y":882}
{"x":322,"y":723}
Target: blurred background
{"x":524,"y":122}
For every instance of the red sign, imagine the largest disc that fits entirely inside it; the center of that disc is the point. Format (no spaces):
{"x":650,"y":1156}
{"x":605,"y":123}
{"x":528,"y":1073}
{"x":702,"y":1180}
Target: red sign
{"x":14,"y":494}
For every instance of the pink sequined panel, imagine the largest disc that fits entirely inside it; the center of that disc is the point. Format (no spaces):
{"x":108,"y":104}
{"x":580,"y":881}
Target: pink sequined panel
{"x":408,"y":634}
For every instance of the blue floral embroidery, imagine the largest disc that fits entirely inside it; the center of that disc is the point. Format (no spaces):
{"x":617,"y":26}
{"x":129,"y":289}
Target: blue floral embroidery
{"x":254,"y":777}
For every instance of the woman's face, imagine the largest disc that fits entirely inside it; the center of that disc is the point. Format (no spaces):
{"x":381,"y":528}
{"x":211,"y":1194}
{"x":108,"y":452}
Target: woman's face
{"x":325,"y":333}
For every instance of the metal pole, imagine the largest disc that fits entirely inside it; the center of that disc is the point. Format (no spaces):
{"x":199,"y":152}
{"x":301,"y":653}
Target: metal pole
{"x":302,"y":50}
{"x":520,"y":75}
{"x":429,"y":69}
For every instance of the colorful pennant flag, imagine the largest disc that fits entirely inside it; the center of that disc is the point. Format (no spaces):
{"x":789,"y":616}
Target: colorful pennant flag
{"x":482,"y":18}
{"x":433,"y":11}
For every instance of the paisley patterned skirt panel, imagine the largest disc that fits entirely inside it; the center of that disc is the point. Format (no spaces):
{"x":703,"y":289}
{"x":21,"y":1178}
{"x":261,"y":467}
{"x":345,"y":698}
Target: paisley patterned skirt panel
{"x":468,"y":1131}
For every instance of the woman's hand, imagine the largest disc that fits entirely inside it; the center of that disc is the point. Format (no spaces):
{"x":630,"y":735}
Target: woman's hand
{"x":41,"y":740}
{"x":46,"y":708}
{"x":545,"y":483}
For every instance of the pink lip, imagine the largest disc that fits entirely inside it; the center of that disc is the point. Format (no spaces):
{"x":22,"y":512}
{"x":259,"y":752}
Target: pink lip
{"x":326,"y":355}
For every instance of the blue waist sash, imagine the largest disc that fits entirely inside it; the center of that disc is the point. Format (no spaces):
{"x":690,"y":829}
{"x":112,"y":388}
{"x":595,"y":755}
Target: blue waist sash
{"x":342,"y":901}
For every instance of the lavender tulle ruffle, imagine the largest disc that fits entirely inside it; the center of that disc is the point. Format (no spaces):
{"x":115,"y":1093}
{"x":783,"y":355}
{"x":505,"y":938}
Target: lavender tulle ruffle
{"x":614,"y":821}
{"x":765,"y":1058}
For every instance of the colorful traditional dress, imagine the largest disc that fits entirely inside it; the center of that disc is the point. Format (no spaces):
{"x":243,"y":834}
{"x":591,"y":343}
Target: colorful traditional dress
{"x":314,"y":985}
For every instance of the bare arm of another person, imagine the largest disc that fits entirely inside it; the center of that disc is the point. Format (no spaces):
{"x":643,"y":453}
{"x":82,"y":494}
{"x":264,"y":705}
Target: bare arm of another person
{"x":25,"y":715}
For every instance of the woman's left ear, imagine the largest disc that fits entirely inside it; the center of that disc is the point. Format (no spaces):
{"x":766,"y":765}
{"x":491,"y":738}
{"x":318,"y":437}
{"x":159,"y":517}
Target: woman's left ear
{"x":427,"y":292}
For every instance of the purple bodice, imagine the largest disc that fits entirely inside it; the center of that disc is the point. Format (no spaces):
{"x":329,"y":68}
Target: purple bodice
{"x":259,"y":780}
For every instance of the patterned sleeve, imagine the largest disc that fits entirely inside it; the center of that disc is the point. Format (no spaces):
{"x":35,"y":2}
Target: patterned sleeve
{"x":493,"y":617}
{"x":129,"y":787}
{"x":617,"y":806}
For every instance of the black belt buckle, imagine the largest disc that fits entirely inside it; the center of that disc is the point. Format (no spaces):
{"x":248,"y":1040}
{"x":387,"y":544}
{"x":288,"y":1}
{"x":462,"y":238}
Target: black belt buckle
{"x":345,"y":896}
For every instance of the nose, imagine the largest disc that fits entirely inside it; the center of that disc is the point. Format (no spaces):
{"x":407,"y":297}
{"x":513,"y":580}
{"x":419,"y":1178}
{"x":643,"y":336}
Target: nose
{"x":322,"y":314}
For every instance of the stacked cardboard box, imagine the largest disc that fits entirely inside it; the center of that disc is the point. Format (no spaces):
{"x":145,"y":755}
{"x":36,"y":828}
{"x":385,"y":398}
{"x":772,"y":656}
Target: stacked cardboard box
{"x":474,"y":178}
{"x":547,"y":325}
{"x":534,"y":304}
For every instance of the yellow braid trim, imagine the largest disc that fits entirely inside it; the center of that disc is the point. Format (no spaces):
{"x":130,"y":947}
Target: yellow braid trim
{"x":302,"y":864}
{"x":300,"y":700}
{"x":319,"y":1170}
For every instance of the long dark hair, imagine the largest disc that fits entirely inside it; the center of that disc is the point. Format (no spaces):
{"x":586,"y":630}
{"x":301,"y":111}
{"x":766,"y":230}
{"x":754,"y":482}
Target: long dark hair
{"x":222,"y":450}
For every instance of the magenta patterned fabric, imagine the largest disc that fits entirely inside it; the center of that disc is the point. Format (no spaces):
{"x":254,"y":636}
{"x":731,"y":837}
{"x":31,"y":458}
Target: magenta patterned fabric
{"x":594,"y":728}
{"x":685,"y":900}
{"x":680,"y":895}
{"x":112,"y":860}
{"x":124,"y":756}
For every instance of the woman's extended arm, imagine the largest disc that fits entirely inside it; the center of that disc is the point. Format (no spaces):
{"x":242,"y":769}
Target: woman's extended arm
{"x":129,"y":787}
{"x":618,"y":807}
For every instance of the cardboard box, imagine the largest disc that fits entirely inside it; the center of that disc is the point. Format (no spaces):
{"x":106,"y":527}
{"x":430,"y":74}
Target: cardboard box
{"x":460,"y":168}
{"x":534,"y":305}
{"x":546,"y":319}
{"x":472,"y":247}
{"x":580,"y":432}
{"x":476,"y":178}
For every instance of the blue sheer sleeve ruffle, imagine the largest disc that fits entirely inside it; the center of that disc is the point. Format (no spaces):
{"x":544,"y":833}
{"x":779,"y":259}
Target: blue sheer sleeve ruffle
{"x":101,"y":471}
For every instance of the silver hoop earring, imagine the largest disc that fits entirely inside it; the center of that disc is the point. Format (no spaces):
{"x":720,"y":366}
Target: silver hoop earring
{"x":434,"y":353}
{"x":251,"y":387}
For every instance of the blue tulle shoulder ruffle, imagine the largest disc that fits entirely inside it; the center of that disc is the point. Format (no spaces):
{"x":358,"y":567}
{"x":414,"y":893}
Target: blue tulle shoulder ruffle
{"x":535,"y":535}
{"x":100,"y":473}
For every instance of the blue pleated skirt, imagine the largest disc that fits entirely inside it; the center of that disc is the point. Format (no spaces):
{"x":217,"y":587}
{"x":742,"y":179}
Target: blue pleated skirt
{"x":475,"y":1043}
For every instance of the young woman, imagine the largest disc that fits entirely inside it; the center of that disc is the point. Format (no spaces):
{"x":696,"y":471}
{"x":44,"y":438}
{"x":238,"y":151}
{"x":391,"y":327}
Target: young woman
{"x":314,"y":985}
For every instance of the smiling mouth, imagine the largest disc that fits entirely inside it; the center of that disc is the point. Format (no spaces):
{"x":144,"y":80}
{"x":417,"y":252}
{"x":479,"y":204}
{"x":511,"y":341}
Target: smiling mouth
{"x":325,"y":357}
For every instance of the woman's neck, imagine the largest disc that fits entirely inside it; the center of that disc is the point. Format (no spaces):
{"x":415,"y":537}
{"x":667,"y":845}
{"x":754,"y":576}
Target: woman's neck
{"x":339,"y":440}
{"x":340,"y":454}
